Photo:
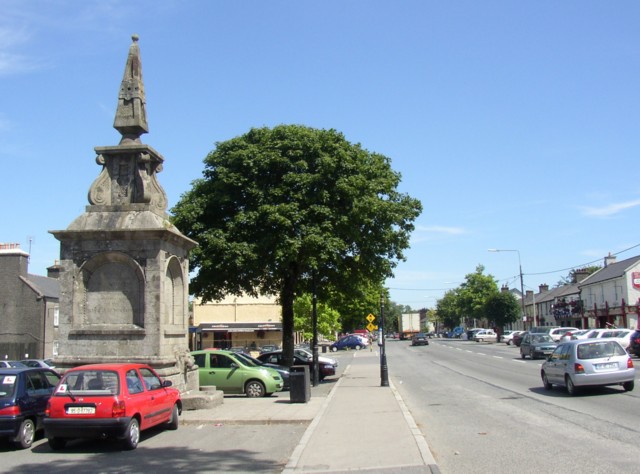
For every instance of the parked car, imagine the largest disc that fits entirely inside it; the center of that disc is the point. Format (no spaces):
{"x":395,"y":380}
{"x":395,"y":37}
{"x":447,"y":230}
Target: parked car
{"x":508,"y":336}
{"x":283,"y":371}
{"x":117,"y":400}
{"x":306,"y":353}
{"x":24,"y":393}
{"x":623,"y":336}
{"x":568,"y":336}
{"x":269,"y":348}
{"x":542,"y":329}
{"x":472,"y":332}
{"x":634,"y":343}
{"x":352,"y":341}
{"x":11,"y":363}
{"x":486,"y":335}
{"x":517,"y":338}
{"x":277,"y":357}
{"x":232,"y":374}
{"x":420,"y":339}
{"x":588,"y":362}
{"x":557,"y":333}
{"x":536,"y":345}
{"x":46,"y":363}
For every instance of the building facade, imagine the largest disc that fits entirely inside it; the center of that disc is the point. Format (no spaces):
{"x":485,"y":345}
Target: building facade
{"x":241,"y":322}
{"x":29,"y":307}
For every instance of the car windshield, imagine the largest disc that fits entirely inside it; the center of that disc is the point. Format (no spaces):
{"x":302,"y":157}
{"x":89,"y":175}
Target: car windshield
{"x":248,"y":360}
{"x":541,"y":338}
{"x":597,"y":350}
{"x":8,"y":384}
{"x":95,"y":382}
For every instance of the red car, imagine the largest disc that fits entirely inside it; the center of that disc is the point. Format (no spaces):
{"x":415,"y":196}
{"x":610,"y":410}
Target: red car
{"x":110,"y":401}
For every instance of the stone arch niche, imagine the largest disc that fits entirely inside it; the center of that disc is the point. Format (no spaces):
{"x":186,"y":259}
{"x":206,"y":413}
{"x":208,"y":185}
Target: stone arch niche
{"x":174,"y":291}
{"x":111,"y":287}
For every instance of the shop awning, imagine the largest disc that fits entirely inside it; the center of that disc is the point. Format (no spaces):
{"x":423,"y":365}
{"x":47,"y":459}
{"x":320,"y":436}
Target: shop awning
{"x":240,"y":327}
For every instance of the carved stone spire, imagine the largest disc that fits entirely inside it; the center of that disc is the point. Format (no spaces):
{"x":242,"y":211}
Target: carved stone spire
{"x":131,"y":115}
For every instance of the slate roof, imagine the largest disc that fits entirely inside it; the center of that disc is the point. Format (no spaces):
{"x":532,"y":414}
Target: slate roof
{"x":48,"y":287}
{"x":611,"y":271}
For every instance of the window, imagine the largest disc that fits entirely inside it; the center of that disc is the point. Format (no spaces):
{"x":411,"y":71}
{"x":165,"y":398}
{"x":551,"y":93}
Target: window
{"x":200,"y":360}
{"x":151,"y":380}
{"x":134,"y":384}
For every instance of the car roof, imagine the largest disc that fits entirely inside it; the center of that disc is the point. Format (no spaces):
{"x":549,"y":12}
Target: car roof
{"x":17,"y":370}
{"x":217,"y":351}
{"x":109,"y":366}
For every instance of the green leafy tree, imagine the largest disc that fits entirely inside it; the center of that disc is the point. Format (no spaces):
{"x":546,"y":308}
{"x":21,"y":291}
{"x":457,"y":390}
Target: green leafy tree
{"x":355,"y":305}
{"x":501,"y":309}
{"x":474,"y":292}
{"x":328,"y":318}
{"x":448,"y":310}
{"x":279,"y":207}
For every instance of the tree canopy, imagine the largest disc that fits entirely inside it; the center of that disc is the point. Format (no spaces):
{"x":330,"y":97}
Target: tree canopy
{"x":276,"y":206}
{"x":473,"y":293}
{"x":502,"y":308}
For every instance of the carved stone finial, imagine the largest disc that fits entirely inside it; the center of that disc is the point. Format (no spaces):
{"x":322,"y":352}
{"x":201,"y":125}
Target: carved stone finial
{"x":131,"y":115}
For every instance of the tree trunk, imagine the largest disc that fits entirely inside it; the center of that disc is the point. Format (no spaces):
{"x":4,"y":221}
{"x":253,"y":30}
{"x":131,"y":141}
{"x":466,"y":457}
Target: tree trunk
{"x":286,"y":300}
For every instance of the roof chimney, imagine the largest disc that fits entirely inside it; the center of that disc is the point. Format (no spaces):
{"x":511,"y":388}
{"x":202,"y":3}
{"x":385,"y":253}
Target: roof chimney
{"x":609,"y":259}
{"x":543,"y":288}
{"x":580,"y":274}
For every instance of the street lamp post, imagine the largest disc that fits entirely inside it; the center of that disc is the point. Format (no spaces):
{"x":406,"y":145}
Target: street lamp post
{"x":384,"y":371}
{"x":521,"y":280}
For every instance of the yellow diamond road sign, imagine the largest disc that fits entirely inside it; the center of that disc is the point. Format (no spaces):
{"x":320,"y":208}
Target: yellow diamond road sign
{"x":371,"y":327}
{"x":371,"y":318}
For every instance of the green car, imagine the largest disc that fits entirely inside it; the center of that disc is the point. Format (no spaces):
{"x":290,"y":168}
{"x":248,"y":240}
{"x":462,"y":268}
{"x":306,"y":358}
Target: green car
{"x":231,"y":375}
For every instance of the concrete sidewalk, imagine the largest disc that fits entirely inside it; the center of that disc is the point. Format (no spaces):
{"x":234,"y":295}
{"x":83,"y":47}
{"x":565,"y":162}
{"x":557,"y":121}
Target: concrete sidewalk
{"x":354,"y":423}
{"x":362,"y":427}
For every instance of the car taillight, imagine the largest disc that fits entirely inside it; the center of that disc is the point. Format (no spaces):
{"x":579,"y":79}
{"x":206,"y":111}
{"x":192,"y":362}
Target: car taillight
{"x":578,"y":368}
{"x":629,"y":363}
{"x":118,"y":409}
{"x":47,"y":411}
{"x":13,"y":410}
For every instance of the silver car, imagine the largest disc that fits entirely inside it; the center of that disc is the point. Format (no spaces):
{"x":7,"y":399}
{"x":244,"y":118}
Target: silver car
{"x":582,"y":363}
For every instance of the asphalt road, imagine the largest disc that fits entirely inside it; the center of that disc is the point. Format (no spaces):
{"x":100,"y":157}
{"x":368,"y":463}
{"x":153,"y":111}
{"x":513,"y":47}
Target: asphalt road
{"x":483,"y":409}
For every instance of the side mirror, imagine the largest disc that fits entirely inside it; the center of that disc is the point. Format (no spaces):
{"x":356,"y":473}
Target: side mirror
{"x":167,"y":383}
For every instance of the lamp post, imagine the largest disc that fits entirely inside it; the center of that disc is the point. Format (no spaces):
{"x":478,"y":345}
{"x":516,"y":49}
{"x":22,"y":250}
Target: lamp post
{"x":384,"y":371}
{"x":521,"y":281}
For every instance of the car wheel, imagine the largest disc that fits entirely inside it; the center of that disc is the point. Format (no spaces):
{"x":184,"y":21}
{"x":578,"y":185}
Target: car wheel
{"x":57,"y":443}
{"x":628,"y":386}
{"x":132,"y":435}
{"x":174,"y":421}
{"x":545,"y":382}
{"x":508,"y":343}
{"x":358,"y":347}
{"x":254,"y":389}
{"x":334,"y":349}
{"x":480,"y":340}
{"x":26,"y":434}
{"x":571,"y":388}
{"x":522,"y":354}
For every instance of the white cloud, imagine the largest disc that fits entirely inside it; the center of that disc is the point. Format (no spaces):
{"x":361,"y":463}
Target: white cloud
{"x":610,"y":209}
{"x":437,"y":229}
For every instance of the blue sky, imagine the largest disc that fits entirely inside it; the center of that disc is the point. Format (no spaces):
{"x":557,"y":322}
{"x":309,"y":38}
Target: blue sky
{"x":516,"y":123}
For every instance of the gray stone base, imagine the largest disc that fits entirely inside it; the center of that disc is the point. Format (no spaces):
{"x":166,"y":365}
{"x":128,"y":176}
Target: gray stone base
{"x":207,"y":398}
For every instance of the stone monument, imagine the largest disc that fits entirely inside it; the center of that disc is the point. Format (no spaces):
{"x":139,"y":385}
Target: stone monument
{"x":124,"y":266}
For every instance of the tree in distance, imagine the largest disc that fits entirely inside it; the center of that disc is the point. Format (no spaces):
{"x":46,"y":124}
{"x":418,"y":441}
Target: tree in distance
{"x":279,"y":207}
